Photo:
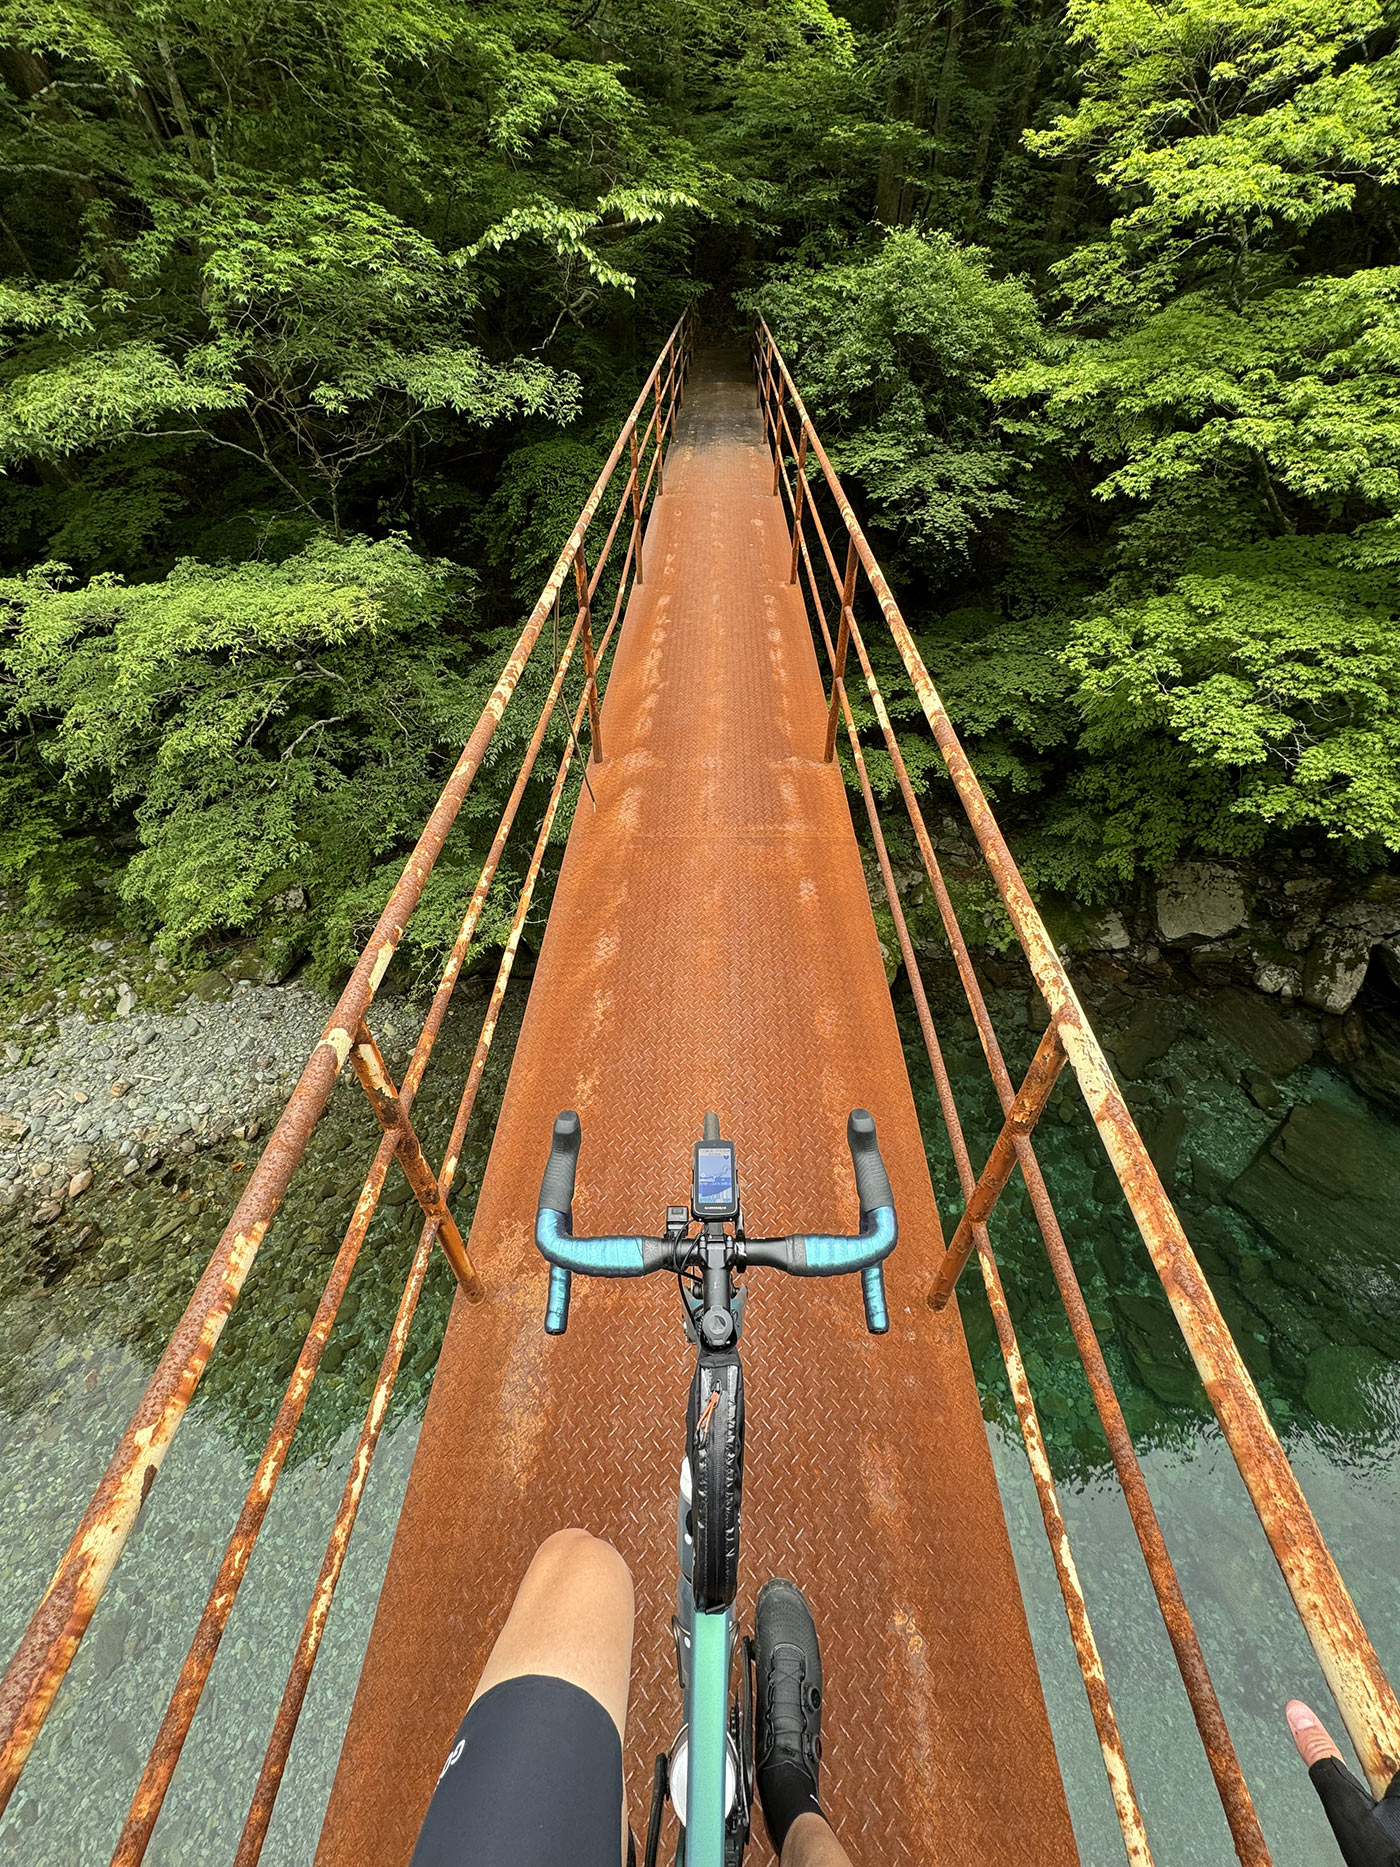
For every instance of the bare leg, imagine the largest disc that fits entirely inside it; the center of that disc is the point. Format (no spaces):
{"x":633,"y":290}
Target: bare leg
{"x":572,"y":1618}
{"x":810,"y":1843}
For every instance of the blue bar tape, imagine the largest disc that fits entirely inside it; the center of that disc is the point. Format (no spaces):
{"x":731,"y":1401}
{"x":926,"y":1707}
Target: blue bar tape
{"x":556,"y":1309}
{"x":872,"y":1288}
{"x":853,"y":1254}
{"x":597,"y":1257}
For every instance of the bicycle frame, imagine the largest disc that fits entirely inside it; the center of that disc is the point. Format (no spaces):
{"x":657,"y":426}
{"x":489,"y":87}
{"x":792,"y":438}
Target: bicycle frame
{"x":706,"y":1756}
{"x":712,"y":1639}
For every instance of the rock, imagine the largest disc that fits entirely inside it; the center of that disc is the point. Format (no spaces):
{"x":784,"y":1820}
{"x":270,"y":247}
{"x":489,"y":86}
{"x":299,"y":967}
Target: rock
{"x":1368,"y":1049}
{"x":249,"y":968}
{"x":126,"y":1002}
{"x":207,"y":987}
{"x":120,"y":1088}
{"x":1278,"y":980}
{"x":80,"y":1183}
{"x":1154,"y":1345}
{"x":1335,"y":969}
{"x":1326,"y":1190}
{"x":1274,"y":1044}
{"x":1199,"y":901}
{"x":1261,"y":1090}
{"x":1163,"y":1131}
{"x":1219,"y":961}
{"x":12,"y":1127}
{"x":1105,"y":933}
{"x":1341,"y":1383}
{"x":1375,"y":912}
{"x":1152,"y":1030}
{"x":45,"y":1214}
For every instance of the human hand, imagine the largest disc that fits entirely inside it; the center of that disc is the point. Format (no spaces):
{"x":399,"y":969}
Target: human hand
{"x":1367,"y":1831}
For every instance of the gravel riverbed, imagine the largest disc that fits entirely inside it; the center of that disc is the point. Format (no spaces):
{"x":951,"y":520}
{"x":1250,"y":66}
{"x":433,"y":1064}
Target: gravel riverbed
{"x":138,"y":1086}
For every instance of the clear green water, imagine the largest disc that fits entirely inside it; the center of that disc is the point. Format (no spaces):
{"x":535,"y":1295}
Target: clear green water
{"x":81,"y":1325}
{"x":1339,"y":1417}
{"x":80,"y":1329}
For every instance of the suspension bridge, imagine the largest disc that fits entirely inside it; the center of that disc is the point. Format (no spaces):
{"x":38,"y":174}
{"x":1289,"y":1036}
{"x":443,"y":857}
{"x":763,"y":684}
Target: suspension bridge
{"x":711,"y":944}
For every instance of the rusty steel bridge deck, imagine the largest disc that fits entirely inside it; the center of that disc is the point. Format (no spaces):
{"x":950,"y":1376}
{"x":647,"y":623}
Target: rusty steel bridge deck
{"x":711,"y":945}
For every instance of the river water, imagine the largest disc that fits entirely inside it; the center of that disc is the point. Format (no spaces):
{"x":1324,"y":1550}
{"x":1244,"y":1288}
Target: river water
{"x":1238,"y":1132}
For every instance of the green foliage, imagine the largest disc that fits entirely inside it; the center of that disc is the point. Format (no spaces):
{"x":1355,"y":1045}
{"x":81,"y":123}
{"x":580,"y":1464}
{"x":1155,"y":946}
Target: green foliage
{"x":1220,"y":125}
{"x":269,"y":724}
{"x":304,"y":310}
{"x":1270,"y":677}
{"x":894,"y":354}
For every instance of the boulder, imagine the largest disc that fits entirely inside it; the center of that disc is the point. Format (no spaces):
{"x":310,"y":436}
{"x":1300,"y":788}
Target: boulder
{"x":1149,"y":1034}
{"x":1199,"y":901}
{"x":1150,"y":1334}
{"x":1281,"y":981}
{"x":1335,"y":969}
{"x":207,"y":986}
{"x":1105,"y":933}
{"x":1272,"y":1043}
{"x":1368,"y":1049}
{"x":1375,"y":912}
{"x":1163,"y":1131}
{"x":1326,"y":1190}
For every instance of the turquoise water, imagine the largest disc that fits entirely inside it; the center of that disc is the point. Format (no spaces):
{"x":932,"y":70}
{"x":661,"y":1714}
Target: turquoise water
{"x":82,"y":1321}
{"x":81,"y":1324}
{"x":1333,"y":1395}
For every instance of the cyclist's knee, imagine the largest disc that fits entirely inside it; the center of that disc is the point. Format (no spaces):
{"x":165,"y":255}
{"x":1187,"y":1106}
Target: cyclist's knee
{"x":575,"y":1559}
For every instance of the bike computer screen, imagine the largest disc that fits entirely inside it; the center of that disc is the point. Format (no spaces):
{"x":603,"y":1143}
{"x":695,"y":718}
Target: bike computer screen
{"x":715,"y":1192}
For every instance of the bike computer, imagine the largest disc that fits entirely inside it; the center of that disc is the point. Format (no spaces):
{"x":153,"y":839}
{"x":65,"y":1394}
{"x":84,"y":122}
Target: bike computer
{"x":714,"y":1192}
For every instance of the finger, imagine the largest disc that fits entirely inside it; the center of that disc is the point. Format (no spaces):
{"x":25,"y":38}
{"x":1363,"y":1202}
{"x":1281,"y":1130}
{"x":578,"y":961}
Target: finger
{"x":1309,"y":1733}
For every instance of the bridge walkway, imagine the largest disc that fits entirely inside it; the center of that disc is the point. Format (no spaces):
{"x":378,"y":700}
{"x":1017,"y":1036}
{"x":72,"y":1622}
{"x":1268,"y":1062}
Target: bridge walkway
{"x":711,"y":945}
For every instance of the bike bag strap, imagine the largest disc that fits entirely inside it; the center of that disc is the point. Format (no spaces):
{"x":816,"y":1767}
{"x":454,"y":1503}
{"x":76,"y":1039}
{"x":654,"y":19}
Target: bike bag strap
{"x":715,"y":1441}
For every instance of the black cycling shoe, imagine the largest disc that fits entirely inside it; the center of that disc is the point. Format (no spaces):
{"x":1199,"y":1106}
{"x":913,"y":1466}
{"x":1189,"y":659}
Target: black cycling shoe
{"x":788,"y":1735}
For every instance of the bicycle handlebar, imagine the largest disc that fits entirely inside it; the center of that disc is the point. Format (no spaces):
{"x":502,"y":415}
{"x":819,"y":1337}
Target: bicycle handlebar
{"x":803,"y":1254}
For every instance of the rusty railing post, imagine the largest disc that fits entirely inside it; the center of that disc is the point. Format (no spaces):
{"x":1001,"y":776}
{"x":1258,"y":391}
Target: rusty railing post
{"x":798,"y":495}
{"x":777,"y":436}
{"x":590,"y":665}
{"x":1022,"y":1116}
{"x":660,"y":438}
{"x":636,"y":506}
{"x":843,"y":641}
{"x":378,"y":1085}
{"x":1354,"y":1674}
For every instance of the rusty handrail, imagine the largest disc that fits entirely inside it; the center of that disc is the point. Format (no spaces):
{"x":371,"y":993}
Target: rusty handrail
{"x":1235,"y":1798}
{"x":1353,"y":1672}
{"x":46,"y":1650}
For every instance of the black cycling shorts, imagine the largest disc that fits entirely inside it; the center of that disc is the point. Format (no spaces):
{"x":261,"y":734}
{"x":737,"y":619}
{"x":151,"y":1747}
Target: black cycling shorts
{"x":534,"y":1779}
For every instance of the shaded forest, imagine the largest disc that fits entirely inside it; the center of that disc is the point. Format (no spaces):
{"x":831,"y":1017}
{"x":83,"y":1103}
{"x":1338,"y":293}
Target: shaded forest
{"x":320,"y":318}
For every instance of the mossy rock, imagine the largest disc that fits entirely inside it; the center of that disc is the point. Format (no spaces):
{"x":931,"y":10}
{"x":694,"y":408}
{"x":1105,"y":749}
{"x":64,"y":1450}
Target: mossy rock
{"x":1340,"y":1386}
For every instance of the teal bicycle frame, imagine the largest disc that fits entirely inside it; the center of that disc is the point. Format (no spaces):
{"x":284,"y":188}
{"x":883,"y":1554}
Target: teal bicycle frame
{"x":712,"y":1639}
{"x":708,"y":1776}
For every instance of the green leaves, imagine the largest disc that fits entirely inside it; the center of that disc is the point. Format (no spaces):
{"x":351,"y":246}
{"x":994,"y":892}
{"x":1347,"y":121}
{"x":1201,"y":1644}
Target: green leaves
{"x":895,"y":354}
{"x":1276,"y":671}
{"x":1217,"y":125}
{"x":269,"y":722}
{"x":1295,"y":394}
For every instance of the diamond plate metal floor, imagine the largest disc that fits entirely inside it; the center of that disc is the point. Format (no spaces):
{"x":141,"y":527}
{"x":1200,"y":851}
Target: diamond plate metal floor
{"x":711,"y":944}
